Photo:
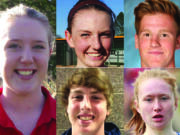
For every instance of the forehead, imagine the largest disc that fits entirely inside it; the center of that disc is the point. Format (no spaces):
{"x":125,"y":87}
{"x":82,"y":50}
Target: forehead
{"x":83,"y":89}
{"x":91,"y":18}
{"x":158,"y":20}
{"x":24,"y":27}
{"x":154,"y":86}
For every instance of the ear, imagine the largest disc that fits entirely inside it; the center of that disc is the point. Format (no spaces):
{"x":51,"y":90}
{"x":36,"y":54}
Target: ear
{"x":136,"y":105}
{"x":136,"y":42}
{"x":176,"y":103}
{"x":50,"y":51}
{"x":68,"y":37}
{"x":108,"y":112}
{"x":178,"y":42}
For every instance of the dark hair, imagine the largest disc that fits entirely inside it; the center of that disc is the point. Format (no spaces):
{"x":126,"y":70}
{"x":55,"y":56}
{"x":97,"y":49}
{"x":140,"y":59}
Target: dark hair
{"x":156,"y":6}
{"x":90,"y":4}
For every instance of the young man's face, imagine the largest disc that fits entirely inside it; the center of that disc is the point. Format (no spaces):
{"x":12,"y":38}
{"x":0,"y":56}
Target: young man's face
{"x":157,"y":40}
{"x":87,"y":110}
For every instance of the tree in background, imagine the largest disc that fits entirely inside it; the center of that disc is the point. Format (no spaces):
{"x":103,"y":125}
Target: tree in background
{"x":119,"y":24}
{"x":48,"y":7}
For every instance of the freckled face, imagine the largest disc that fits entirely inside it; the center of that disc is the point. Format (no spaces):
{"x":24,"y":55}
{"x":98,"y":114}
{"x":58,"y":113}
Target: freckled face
{"x":24,"y":54}
{"x":87,"y":110}
{"x":157,"y":40}
{"x":91,"y":37}
{"x":156,"y":103}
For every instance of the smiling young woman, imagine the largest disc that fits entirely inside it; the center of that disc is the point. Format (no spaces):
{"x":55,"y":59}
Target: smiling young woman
{"x":90,"y":32}
{"x":26,"y":41}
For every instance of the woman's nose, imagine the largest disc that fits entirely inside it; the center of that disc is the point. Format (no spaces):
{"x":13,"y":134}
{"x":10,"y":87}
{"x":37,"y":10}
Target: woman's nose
{"x":157,"y":106}
{"x":27,"y":56}
{"x":96,"y":42}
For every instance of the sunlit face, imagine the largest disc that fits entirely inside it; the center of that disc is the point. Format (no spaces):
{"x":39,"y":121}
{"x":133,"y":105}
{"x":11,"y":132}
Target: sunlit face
{"x":24,"y":53}
{"x":91,"y":37}
{"x":156,"y":103}
{"x":157,"y":40}
{"x":87,"y":111}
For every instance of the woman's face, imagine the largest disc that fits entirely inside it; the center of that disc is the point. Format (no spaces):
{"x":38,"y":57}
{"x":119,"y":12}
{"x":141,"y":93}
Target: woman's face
{"x":87,"y":110}
{"x":91,"y":37}
{"x":156,"y":103}
{"x":24,"y":53}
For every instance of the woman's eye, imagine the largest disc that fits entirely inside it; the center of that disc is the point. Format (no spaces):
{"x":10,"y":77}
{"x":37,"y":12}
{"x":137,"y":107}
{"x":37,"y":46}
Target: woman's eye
{"x":14,"y":46}
{"x":106,"y":34}
{"x":148,"y":99}
{"x":164,"y":98}
{"x":38,"y":47}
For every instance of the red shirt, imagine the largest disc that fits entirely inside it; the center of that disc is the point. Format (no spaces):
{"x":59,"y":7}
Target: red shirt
{"x":46,"y":124}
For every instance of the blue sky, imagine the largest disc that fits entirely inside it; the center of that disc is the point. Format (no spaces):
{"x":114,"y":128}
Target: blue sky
{"x":63,"y":7}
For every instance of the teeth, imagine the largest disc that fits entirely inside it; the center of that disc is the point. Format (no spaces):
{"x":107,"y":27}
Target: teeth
{"x":86,"y":118}
{"x":94,"y":55}
{"x":25,"y":72}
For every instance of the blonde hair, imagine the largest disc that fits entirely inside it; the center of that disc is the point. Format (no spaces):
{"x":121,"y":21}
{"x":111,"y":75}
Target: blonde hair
{"x":91,"y":78}
{"x":25,"y":11}
{"x":136,"y":121}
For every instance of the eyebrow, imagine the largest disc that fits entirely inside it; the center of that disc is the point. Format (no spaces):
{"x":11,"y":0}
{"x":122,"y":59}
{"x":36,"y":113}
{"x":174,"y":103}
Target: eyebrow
{"x":162,"y":30}
{"x":38,"y":41}
{"x":79,"y":91}
{"x":152,"y":95}
{"x":103,"y":31}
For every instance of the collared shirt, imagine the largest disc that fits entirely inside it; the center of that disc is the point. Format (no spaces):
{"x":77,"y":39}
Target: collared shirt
{"x":46,"y":125}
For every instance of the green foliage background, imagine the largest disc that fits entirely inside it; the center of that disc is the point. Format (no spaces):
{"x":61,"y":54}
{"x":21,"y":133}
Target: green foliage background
{"x":48,"y":7}
{"x":119,"y":24}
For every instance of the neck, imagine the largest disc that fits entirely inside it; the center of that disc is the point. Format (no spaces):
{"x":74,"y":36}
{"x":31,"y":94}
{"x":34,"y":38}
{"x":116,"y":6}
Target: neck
{"x":30,"y":101}
{"x":165,"y":131}
{"x":169,"y":65}
{"x":97,"y":131}
{"x":81,"y":65}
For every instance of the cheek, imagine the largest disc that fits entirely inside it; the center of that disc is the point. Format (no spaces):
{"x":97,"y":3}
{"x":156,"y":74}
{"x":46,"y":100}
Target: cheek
{"x":106,"y":43}
{"x":169,"y":46}
{"x":144,"y":110}
{"x":143,"y":45}
{"x":100,"y":108}
{"x":81,"y":45}
{"x":169,"y":109}
{"x":73,"y":109}
{"x":42,"y":59}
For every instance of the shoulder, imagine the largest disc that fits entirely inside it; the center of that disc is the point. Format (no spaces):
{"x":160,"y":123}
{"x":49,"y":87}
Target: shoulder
{"x":49,"y":109}
{"x":47,"y":95}
{"x":67,"y":132}
{"x":111,"y":129}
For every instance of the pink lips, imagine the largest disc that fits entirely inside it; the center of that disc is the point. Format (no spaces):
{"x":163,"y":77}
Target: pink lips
{"x":85,"y":119}
{"x":155,"y":52}
{"x":94,"y":56}
{"x":158,"y":117}
{"x":25,"y":74}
